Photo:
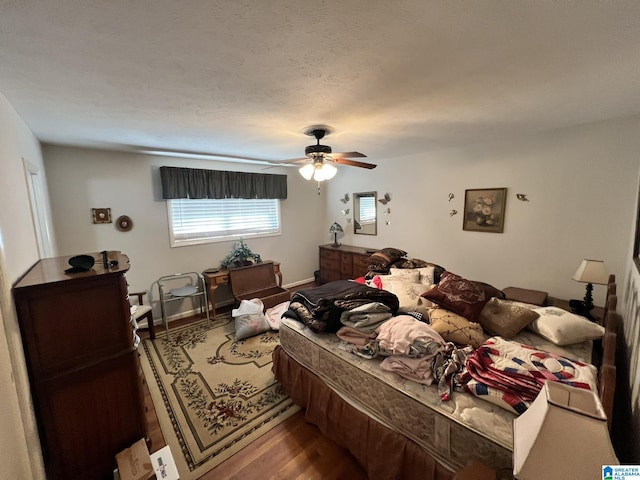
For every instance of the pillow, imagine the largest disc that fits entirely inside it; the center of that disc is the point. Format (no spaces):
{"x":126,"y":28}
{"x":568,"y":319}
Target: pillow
{"x":427,"y":275}
{"x":462,"y":296}
{"x":564,"y":328}
{"x":410,"y":263}
{"x":381,"y":260}
{"x":455,"y":328}
{"x":505,"y":318}
{"x":408,"y":275}
{"x":417,"y":263}
{"x":408,"y":293}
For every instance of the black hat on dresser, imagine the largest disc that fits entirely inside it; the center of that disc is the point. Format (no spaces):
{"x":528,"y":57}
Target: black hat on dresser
{"x":80,"y":263}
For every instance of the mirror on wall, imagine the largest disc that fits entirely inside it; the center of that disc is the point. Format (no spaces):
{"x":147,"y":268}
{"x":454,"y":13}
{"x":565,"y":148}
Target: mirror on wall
{"x":365,"y":219}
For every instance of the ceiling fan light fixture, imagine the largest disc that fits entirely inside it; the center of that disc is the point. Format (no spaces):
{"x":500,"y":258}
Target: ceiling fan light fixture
{"x":307,"y":171}
{"x":318,"y":171}
{"x":324,"y":171}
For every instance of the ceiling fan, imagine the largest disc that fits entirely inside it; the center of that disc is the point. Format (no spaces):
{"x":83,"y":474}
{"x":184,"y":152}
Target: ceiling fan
{"x":319,"y":159}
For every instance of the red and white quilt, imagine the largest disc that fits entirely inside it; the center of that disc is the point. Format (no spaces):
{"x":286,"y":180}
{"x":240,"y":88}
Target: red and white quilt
{"x":510,"y":374}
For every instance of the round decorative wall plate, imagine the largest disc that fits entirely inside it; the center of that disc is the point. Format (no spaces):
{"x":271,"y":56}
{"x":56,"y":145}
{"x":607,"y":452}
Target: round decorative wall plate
{"x":124,"y":223}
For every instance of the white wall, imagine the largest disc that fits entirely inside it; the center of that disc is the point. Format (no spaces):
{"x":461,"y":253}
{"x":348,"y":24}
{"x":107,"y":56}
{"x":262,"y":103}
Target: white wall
{"x":581,"y":183}
{"x":129,"y":184}
{"x":19,"y":441}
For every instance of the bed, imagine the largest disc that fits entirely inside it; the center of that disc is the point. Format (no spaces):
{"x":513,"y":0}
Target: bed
{"x":396,"y":427}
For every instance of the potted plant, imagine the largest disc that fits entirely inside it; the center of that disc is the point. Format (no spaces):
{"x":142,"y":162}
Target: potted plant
{"x":240,"y":256}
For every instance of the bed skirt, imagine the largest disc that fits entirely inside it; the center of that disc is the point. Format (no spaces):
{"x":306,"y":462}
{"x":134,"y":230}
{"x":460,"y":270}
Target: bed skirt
{"x":382,"y":452}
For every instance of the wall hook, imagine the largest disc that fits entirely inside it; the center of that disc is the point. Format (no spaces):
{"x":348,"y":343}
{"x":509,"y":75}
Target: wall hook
{"x":451,"y":196}
{"x":453,"y":212}
{"x":522,"y":197}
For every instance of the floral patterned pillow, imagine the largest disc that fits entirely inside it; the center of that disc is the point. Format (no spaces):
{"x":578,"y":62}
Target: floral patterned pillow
{"x":462,"y":296}
{"x":408,"y":292}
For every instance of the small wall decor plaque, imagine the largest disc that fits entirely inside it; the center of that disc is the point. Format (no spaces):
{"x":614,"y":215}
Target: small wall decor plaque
{"x":484,"y":210}
{"x":124,"y":223}
{"x":101,"y":215}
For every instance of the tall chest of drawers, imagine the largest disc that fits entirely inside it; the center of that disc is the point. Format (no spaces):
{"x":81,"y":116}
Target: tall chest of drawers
{"x":83,"y":365}
{"x":342,"y":263}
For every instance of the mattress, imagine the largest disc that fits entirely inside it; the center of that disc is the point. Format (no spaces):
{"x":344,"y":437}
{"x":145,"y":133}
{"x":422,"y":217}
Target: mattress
{"x":450,"y":431}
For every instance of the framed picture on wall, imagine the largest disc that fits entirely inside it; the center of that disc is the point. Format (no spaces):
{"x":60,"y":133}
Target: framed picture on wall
{"x":484,"y":209}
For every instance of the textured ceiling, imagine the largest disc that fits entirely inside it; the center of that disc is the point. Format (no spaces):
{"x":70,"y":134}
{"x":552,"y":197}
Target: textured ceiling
{"x":244,"y":78}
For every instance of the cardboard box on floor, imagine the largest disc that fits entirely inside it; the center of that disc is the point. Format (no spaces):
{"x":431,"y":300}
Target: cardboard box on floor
{"x":135,"y":463}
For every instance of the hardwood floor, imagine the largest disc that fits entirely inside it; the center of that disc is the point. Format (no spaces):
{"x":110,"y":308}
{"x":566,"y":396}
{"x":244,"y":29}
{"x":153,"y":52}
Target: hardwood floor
{"x":293,"y":449}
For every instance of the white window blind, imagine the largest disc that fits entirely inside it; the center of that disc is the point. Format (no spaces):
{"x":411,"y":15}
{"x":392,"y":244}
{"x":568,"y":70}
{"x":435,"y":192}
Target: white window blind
{"x":367,"y":210}
{"x":194,"y":221}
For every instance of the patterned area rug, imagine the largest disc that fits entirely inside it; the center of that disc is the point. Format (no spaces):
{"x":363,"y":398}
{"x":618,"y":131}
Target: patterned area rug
{"x":213,"y":395}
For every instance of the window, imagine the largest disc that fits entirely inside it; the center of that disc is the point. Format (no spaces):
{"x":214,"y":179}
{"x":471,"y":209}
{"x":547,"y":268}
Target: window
{"x":195,"y":221}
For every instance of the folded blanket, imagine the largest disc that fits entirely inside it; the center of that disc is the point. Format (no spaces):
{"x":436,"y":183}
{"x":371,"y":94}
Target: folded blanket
{"x":320,"y":307}
{"x":405,"y":335}
{"x":367,"y":317}
{"x":355,"y":336}
{"x":416,"y":369}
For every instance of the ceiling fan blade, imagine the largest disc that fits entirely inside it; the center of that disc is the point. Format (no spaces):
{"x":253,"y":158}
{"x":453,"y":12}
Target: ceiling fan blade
{"x":354,"y":163}
{"x":289,"y":161}
{"x":348,"y":154}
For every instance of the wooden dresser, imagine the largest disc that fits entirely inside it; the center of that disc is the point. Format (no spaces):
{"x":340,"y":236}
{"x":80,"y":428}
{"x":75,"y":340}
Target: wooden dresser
{"x":343,"y":263}
{"x":83,"y":365}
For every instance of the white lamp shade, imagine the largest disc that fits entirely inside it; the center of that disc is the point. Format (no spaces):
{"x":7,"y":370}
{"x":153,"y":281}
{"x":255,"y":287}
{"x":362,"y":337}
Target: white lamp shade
{"x":592,"y":271}
{"x":307,"y":171}
{"x":563,"y":435}
{"x":324,"y":172}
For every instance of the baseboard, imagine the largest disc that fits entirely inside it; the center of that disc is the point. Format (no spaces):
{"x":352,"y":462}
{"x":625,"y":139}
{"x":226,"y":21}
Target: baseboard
{"x":301,"y":282}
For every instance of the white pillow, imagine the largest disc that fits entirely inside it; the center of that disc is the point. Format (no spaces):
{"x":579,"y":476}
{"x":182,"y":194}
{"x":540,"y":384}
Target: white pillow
{"x":408,"y":293}
{"x":427,"y":275}
{"x":408,"y":274}
{"x":564,"y":328}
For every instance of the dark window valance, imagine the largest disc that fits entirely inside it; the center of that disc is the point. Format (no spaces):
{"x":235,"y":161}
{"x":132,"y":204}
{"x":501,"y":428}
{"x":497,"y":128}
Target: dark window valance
{"x":178,"y":182}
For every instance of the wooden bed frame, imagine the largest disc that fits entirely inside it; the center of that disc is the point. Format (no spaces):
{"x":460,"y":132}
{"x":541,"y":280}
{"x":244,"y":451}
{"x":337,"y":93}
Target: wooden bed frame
{"x":387,"y":454}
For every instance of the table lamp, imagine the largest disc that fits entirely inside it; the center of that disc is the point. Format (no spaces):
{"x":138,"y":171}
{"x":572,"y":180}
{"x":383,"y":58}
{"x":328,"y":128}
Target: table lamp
{"x":335,"y":228}
{"x":563,"y":435}
{"x":589,"y":272}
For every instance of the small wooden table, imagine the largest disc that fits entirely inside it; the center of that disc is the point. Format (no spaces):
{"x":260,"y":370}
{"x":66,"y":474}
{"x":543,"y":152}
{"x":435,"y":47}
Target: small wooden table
{"x":215,"y":278}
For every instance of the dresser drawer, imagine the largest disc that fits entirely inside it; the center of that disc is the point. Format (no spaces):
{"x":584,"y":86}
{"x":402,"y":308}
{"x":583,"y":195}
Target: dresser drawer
{"x":360,"y":264}
{"x":345,"y":262}
{"x":330,"y":264}
{"x":329,"y":254}
{"x":346,"y":268}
